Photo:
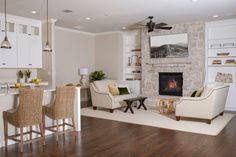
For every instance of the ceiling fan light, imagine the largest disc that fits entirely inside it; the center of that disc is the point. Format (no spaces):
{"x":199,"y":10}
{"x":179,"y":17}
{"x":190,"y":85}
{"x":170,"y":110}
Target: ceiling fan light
{"x":5,"y":43}
{"x":47,"y":47}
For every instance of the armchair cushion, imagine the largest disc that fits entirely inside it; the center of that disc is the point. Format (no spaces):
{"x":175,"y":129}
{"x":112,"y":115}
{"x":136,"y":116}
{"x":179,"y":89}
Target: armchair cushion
{"x":209,"y":87}
{"x":102,"y":86}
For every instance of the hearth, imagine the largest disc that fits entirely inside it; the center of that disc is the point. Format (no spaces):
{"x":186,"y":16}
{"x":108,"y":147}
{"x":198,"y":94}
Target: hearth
{"x":171,"y":83}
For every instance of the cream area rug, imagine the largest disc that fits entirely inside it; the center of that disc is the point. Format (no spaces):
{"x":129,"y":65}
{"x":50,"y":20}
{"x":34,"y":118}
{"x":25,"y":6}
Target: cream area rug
{"x":151,"y":117}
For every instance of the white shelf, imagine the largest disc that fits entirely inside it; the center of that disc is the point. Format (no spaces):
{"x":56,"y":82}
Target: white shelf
{"x":222,"y":48}
{"x":134,"y":66}
{"x":222,"y":57}
{"x":133,"y":73}
{"x":223,"y":65}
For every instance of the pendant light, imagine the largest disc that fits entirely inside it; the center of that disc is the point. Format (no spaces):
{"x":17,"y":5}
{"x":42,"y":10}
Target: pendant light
{"x":5,"y":43}
{"x":47,"y":47}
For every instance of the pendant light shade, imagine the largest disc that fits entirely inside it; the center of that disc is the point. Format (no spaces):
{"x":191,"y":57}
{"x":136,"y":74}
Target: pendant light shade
{"x":47,"y":47}
{"x":5,"y":43}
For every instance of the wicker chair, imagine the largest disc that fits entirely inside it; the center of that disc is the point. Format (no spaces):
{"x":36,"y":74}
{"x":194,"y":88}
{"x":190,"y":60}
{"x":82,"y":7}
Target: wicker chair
{"x":27,"y":114}
{"x":62,"y":108}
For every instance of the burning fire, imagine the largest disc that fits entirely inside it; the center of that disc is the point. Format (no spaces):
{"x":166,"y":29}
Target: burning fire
{"x":172,"y":84}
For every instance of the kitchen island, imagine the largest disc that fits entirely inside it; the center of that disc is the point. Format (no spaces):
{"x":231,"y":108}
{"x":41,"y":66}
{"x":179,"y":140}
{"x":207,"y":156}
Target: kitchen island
{"x":9,"y":99}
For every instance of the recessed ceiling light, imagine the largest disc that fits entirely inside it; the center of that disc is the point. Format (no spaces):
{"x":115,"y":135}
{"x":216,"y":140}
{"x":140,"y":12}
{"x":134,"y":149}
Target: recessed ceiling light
{"x":67,"y":11}
{"x":194,"y":0}
{"x":88,"y":18}
{"x":33,"y":12}
{"x":123,"y":27}
{"x":215,"y":16}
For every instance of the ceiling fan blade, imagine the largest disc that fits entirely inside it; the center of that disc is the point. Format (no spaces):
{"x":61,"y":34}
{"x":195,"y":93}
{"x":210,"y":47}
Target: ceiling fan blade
{"x":165,"y":28}
{"x":160,"y":24}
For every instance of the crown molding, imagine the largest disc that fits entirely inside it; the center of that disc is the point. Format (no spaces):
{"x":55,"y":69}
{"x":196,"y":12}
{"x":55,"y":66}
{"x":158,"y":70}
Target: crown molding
{"x":75,"y":31}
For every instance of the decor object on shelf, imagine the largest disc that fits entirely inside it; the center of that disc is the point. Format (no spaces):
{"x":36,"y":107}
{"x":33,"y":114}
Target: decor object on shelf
{"x":230,"y":61}
{"x":169,"y":46}
{"x":224,"y":77}
{"x":83,"y":72}
{"x":47,"y":47}
{"x":223,"y":54}
{"x":5,"y":43}
{"x":129,"y":61}
{"x":216,"y":61}
{"x":27,"y":74}
{"x":20,"y":75}
{"x":97,"y":75}
{"x":208,"y":106}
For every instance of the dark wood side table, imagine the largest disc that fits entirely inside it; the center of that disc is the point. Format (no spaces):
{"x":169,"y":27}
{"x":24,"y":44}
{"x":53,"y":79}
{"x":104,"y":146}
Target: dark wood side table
{"x":130,"y":101}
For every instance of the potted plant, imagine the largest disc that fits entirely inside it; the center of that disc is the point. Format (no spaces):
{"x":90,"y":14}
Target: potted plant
{"x":27,"y":75}
{"x":97,"y":75}
{"x":20,"y":76}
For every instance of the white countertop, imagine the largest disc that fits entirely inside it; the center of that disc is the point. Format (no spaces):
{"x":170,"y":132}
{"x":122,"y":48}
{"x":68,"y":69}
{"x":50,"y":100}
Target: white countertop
{"x":15,"y":91}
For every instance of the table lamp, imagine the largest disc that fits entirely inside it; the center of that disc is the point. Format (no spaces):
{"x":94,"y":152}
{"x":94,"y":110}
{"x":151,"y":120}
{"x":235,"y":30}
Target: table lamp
{"x":83,"y":72}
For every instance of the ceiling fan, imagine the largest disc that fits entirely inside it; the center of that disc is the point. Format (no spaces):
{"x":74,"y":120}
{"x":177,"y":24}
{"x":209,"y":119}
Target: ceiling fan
{"x":150,"y":25}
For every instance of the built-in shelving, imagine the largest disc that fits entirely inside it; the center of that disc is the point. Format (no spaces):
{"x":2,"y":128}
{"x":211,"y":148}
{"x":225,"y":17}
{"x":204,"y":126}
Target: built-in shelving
{"x":221,"y":55}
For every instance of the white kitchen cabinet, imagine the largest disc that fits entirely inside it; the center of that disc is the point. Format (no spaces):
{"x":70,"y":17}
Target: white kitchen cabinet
{"x":26,"y":40}
{"x":8,"y":57}
{"x":29,"y":46}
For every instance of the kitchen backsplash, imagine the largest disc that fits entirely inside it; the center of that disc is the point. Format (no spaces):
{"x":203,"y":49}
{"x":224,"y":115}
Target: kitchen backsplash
{"x":9,"y":75}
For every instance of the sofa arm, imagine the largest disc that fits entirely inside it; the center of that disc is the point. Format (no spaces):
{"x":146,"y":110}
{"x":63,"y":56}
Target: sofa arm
{"x":200,"y":107}
{"x":101,"y":99}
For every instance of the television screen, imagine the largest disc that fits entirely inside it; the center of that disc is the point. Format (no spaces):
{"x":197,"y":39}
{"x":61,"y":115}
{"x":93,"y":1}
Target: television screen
{"x":169,"y":46}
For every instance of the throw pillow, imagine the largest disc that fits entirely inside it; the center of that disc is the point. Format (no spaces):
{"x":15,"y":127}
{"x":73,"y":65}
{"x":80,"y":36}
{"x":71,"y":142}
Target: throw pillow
{"x":123,"y":90}
{"x":113,"y":89}
{"x":199,"y":92}
{"x":194,"y":93}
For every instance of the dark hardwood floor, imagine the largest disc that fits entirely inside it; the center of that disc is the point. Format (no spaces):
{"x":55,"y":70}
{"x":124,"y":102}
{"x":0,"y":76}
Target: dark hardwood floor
{"x":105,"y":138}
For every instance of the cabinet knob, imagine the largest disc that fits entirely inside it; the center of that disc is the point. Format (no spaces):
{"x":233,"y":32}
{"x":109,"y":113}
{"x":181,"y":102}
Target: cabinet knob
{"x":3,"y":63}
{"x":30,"y":64}
{"x":29,"y":34}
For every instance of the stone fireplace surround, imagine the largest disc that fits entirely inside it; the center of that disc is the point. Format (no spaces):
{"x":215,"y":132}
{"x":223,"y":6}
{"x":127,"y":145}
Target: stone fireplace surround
{"x":192,"y":67}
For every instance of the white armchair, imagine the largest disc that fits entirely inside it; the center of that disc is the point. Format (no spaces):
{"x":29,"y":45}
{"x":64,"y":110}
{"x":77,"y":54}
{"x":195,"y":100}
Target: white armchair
{"x":208,"y":106}
{"x":101,"y":97}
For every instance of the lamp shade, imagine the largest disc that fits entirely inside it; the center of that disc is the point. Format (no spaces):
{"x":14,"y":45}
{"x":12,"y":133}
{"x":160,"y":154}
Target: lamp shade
{"x":83,"y":71}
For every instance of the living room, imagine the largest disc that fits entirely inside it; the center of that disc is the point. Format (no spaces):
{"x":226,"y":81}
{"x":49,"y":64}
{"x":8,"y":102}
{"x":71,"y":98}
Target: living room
{"x":167,"y":75}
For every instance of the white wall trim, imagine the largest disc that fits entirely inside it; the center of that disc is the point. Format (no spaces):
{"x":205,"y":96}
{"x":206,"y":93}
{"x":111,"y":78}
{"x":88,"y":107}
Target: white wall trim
{"x":73,"y":30}
{"x":110,"y":32}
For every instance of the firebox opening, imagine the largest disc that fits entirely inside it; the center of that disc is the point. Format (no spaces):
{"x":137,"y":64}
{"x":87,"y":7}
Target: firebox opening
{"x":171,"y":84}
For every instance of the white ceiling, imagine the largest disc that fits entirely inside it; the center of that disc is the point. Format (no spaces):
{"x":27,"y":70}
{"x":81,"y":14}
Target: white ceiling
{"x":111,"y":15}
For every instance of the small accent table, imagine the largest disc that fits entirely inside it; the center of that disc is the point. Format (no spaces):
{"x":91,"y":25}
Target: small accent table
{"x":167,"y":105}
{"x":130,"y":101}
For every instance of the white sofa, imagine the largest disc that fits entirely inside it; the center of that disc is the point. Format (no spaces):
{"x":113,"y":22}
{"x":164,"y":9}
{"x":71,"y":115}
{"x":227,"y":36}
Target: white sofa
{"x":101,"y":97}
{"x":208,"y":106}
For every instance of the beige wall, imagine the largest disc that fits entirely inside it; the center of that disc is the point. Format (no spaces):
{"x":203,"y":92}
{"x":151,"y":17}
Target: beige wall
{"x":109,"y":54}
{"x":73,"y":51}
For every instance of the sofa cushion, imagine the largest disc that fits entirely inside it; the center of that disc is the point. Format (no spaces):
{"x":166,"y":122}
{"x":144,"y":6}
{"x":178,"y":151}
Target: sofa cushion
{"x":102,"y":85}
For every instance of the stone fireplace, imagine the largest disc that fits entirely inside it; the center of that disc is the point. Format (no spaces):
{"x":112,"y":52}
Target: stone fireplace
{"x":171,"y":84}
{"x":191,"y":67}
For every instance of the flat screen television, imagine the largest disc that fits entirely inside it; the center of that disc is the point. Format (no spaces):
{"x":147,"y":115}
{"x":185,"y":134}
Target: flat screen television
{"x":169,"y":46}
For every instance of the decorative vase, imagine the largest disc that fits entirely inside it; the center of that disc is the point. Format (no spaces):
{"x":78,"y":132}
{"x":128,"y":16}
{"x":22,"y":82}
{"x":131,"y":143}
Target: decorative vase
{"x":27,"y":79}
{"x":20,"y":80}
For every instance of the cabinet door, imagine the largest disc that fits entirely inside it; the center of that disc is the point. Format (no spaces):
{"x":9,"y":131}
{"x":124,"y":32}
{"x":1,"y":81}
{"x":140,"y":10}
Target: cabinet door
{"x":35,"y":56}
{"x":29,"y":47}
{"x":9,"y":56}
{"x":23,"y":46}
